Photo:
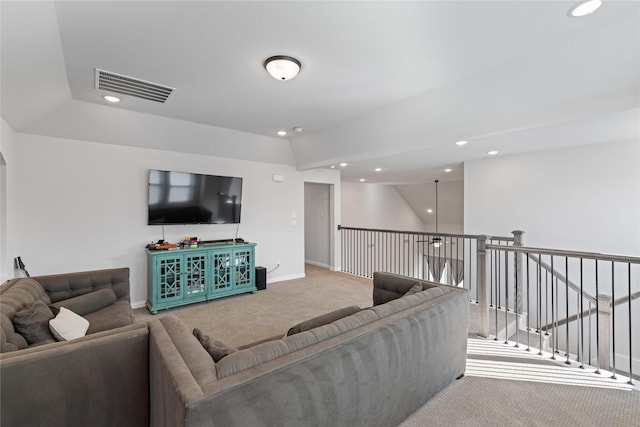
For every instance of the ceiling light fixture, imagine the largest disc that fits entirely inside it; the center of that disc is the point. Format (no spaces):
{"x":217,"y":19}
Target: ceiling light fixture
{"x":429,"y":210}
{"x":447,"y":170}
{"x":461,"y":143}
{"x":332,"y":166}
{"x":584,"y":8}
{"x":378,"y":169}
{"x":492,"y":153}
{"x":282,"y":132}
{"x":361,"y":179}
{"x":111,"y":98}
{"x":297,"y":129}
{"x":282,"y":67}
{"x":344,"y":164}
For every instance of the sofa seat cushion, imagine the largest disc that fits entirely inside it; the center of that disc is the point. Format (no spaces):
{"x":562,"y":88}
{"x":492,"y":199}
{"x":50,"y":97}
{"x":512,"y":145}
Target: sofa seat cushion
{"x":89,"y":302}
{"x":33,"y":323}
{"x":113,"y":316}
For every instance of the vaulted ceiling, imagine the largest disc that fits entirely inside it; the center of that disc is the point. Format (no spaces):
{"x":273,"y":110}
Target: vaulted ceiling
{"x":386,"y":84}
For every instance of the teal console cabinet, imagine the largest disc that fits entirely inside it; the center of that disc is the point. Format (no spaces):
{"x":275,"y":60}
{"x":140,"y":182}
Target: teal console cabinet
{"x":183,"y":276}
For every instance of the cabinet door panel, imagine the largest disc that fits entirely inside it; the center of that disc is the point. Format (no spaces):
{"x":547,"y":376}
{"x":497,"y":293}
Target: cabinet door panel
{"x":221,"y":271}
{"x":169,"y":278}
{"x":195,"y":275}
{"x":243,"y":263}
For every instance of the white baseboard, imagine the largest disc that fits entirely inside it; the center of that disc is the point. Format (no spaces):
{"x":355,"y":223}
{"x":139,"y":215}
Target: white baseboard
{"x":283,"y":278}
{"x":138,"y":304}
{"x":317,"y":264}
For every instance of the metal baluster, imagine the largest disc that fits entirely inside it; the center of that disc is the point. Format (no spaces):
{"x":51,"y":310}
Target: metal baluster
{"x":498,"y":269}
{"x":597,"y":323}
{"x":630,"y":323}
{"x":589,"y":335}
{"x":566,"y":275}
{"x":497,"y":292}
{"x":546,"y":303}
{"x":491,"y":261}
{"x":581,"y":353}
{"x":515,"y":280}
{"x":613,"y":320}
{"x":528,"y":308}
{"x":553,"y":317}
{"x":506,"y":297}
{"x":539,"y":280}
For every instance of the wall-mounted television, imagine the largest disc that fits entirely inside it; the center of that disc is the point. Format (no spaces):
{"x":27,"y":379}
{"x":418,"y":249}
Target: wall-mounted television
{"x":191,"y":198}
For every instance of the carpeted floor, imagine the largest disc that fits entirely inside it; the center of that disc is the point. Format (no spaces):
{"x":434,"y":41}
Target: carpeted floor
{"x":503,"y":386}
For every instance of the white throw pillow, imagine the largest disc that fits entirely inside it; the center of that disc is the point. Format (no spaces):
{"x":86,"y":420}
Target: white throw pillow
{"x":67,"y":325}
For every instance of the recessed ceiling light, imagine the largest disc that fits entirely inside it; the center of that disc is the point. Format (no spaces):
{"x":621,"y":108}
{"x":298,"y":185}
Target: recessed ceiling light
{"x":447,"y":170}
{"x":111,"y":98}
{"x":332,"y":166}
{"x":282,"y":132}
{"x":492,"y":153}
{"x":429,"y":210}
{"x":361,"y":179}
{"x":297,"y":129}
{"x":584,"y":8}
{"x":344,"y":164}
{"x":282,"y":67}
{"x":461,"y":142}
{"x":378,"y":169}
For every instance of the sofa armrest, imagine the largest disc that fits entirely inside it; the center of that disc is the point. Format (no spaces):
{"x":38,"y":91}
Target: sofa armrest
{"x":102,"y":380}
{"x":69,"y":285}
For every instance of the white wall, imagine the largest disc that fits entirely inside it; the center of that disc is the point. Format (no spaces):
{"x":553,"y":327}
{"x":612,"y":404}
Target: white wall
{"x":81,"y":205}
{"x":317,"y":215}
{"x":8,"y":141}
{"x":377,"y":206}
{"x":585,"y":198}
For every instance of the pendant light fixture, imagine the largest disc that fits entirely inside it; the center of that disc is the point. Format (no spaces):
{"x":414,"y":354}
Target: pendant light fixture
{"x":282,"y":67}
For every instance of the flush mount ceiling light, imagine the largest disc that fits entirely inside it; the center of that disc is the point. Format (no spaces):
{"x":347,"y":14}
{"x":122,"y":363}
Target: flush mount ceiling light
{"x":461,"y":143}
{"x":492,"y":153}
{"x":378,"y":169}
{"x":447,"y":170}
{"x":111,"y":98}
{"x":297,"y":129}
{"x":282,"y":67}
{"x":282,"y":132}
{"x":584,"y":8}
{"x":344,"y":164}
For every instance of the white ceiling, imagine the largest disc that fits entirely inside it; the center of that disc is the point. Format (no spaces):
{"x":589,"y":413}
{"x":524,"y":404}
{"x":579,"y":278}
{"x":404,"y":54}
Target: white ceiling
{"x":387,"y":84}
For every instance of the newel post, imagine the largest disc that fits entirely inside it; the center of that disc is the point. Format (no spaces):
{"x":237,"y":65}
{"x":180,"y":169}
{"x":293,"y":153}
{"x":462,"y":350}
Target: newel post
{"x":604,"y":331}
{"x":481,"y":277}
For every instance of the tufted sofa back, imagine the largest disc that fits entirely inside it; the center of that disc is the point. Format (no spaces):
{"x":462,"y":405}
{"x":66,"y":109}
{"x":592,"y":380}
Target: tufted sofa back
{"x":15,"y":295}
{"x":64,"y":286}
{"x":20,"y":293}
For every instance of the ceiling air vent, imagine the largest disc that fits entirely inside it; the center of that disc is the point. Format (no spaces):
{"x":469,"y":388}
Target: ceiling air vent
{"x":113,"y":82}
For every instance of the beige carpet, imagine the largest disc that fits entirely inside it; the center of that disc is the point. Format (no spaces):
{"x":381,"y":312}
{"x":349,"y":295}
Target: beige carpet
{"x":243,"y":319}
{"x":503,"y":386}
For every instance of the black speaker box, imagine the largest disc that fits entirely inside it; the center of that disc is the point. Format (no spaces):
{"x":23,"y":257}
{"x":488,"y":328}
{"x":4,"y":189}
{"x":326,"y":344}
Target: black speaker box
{"x":261,"y":278}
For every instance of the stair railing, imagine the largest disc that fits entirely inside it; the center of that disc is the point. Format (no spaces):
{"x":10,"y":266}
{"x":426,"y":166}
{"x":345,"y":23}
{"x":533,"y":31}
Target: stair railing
{"x":599,"y":279}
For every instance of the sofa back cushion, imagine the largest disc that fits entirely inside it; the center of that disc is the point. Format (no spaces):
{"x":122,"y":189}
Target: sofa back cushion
{"x":389,"y":286}
{"x":16,"y":295}
{"x":64,"y":286}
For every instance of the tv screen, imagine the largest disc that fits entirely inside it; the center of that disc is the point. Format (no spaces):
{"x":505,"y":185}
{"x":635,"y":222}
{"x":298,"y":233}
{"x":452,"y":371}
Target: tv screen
{"x":190,"y":198}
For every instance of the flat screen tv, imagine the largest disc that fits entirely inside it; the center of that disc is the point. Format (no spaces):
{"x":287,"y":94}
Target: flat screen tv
{"x":191,"y":198}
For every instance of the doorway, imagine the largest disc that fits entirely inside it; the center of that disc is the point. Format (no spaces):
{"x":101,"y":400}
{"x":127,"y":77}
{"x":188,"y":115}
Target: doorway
{"x":318,"y":219}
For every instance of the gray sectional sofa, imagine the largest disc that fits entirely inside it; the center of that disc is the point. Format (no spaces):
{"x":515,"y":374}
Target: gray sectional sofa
{"x":353,"y":367}
{"x":101,"y":379}
{"x":372,"y":368}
